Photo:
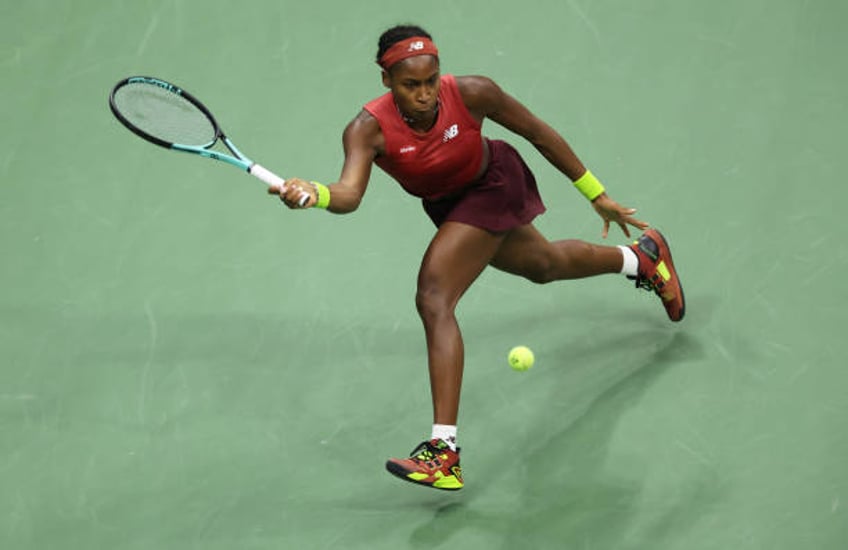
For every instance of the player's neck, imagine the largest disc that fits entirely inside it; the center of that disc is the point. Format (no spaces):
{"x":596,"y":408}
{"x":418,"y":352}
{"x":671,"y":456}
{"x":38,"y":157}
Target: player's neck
{"x":420,"y":125}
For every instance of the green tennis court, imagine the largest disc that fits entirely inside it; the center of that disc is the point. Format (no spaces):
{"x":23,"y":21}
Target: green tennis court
{"x":187,"y":364}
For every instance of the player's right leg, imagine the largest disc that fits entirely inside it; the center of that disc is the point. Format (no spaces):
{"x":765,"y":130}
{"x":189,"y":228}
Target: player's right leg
{"x":456,"y":256}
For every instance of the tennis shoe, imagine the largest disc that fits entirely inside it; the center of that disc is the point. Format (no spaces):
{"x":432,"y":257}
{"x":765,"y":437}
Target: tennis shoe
{"x":657,"y":274}
{"x":432,"y":463}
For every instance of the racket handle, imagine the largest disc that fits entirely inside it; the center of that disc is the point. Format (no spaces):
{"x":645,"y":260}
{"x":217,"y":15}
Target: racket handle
{"x":271,"y":178}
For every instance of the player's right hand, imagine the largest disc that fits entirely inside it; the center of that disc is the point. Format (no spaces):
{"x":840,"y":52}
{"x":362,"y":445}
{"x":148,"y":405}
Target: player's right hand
{"x":297,"y":194}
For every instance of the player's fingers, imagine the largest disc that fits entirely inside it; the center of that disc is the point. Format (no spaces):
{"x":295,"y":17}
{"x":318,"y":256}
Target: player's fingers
{"x":624,"y":228}
{"x":605,"y":232}
{"x":286,"y":196}
{"x":296,"y":197}
{"x":273,"y":189}
{"x":292,"y":192}
{"x":639,"y":224}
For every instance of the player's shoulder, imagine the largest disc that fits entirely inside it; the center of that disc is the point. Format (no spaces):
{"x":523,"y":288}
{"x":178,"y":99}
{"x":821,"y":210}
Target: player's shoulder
{"x":363,"y":122}
{"x":476,"y":84}
{"x":478,"y":90}
{"x":364,"y":131}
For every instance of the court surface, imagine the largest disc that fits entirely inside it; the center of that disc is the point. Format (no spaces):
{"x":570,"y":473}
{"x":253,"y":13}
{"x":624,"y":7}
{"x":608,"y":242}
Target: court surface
{"x":186,"y":364}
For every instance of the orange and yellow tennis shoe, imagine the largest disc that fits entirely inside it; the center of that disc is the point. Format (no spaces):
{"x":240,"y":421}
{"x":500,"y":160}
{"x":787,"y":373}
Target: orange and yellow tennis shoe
{"x":657,"y":273}
{"x":432,"y":463}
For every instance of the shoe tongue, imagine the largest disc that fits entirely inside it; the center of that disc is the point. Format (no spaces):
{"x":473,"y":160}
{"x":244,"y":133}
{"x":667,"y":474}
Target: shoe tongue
{"x":649,"y":247}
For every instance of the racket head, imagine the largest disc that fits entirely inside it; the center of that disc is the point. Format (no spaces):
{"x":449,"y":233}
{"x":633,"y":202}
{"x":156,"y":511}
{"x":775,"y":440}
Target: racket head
{"x":162,"y":113}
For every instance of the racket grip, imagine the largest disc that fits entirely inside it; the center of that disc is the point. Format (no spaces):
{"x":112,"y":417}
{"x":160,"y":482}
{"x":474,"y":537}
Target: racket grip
{"x":271,"y":178}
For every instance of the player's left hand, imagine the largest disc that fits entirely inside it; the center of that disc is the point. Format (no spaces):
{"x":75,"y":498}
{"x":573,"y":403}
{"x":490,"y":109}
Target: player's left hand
{"x":611,"y":211}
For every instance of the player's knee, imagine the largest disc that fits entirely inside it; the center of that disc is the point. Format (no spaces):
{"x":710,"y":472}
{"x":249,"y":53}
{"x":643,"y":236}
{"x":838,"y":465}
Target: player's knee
{"x":539,"y":277}
{"x":537,"y":265}
{"x":540,"y":271}
{"x":431,"y":302}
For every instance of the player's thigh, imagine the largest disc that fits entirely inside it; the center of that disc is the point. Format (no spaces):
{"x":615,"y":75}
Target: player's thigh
{"x":455,"y":257}
{"x":524,"y":251}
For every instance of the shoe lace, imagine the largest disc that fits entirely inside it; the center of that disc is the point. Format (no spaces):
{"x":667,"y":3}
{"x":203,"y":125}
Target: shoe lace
{"x":649,"y":248}
{"x":644,"y":283}
{"x":425,"y":452}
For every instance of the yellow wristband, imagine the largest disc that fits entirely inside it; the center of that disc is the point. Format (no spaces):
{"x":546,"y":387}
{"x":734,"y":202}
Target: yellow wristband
{"x":323,"y":193}
{"x":589,"y":186}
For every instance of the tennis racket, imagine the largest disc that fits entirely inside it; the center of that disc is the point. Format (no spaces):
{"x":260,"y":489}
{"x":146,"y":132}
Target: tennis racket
{"x":168,"y":116}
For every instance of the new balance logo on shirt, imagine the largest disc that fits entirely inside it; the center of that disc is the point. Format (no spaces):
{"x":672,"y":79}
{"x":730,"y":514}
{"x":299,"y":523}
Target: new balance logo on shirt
{"x":451,"y":133}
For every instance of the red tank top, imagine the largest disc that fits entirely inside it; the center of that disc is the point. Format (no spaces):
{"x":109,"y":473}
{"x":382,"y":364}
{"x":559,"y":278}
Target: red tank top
{"x":438,"y":162}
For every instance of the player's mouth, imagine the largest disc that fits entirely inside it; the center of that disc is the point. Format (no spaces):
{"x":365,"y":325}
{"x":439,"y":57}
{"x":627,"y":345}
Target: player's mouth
{"x":427,"y":111}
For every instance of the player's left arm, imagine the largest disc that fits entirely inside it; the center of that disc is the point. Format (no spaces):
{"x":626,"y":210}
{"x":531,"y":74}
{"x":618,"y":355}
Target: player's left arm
{"x":485,"y":99}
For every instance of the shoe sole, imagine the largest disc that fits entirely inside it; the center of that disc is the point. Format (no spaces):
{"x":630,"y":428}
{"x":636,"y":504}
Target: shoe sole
{"x":397,"y":471}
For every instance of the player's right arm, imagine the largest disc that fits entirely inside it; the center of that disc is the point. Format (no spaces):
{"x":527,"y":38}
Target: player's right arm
{"x":362,"y":140}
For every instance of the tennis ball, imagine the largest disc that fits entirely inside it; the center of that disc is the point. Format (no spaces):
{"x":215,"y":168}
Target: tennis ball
{"x":520,"y":358}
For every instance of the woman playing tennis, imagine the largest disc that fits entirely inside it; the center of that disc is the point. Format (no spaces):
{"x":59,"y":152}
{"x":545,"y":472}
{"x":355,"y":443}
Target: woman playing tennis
{"x":426,"y":133}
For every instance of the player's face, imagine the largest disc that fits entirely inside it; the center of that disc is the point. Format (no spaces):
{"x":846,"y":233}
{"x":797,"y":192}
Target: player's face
{"x":415,"y":86}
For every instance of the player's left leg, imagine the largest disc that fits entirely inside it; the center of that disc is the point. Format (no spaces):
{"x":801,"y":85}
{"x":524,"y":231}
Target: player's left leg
{"x":527,"y":253}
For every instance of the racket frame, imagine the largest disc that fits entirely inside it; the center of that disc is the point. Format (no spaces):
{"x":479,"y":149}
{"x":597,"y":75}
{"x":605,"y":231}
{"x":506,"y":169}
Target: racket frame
{"x":237,"y":159}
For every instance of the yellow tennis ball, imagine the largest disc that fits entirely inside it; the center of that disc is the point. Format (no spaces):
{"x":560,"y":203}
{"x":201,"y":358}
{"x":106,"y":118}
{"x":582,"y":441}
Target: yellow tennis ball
{"x":520,"y":358}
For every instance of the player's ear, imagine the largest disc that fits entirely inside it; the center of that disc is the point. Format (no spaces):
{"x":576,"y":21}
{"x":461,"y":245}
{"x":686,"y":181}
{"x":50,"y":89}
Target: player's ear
{"x":387,"y":80}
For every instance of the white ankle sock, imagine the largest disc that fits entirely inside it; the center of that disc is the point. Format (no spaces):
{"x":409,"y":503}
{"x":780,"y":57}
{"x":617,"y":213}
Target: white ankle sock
{"x":630,"y":266}
{"x":445,"y":433}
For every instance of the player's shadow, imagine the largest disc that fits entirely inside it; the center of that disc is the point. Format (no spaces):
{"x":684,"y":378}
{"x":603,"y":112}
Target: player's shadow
{"x":564,"y":490}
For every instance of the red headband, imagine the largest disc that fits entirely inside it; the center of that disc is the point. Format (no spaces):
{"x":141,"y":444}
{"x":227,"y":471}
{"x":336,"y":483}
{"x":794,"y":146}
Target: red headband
{"x":417,"y":45}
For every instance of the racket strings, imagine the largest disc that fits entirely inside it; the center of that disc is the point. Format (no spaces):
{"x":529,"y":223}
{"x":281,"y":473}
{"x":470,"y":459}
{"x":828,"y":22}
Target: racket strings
{"x":164,"y":115}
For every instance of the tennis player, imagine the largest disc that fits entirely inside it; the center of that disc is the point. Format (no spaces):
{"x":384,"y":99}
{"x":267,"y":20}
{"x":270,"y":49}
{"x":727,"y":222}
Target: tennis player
{"x":426,"y":133}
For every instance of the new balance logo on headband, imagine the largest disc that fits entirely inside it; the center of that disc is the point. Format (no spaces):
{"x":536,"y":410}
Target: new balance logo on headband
{"x":411,"y":47}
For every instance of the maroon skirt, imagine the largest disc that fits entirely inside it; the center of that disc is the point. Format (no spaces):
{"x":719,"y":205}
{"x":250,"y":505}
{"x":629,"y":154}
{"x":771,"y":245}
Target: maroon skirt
{"x":503,"y":198}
